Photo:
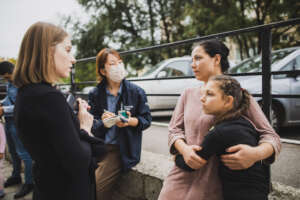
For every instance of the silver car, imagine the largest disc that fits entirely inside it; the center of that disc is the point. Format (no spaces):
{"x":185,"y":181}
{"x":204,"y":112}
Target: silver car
{"x":178,"y":68}
{"x":285,"y":111}
{"x":158,"y":90}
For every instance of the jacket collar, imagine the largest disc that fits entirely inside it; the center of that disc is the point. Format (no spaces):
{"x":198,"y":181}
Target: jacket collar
{"x":102,"y":95}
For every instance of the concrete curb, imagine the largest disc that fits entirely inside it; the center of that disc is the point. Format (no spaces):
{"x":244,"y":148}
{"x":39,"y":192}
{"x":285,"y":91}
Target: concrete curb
{"x":145,"y":180}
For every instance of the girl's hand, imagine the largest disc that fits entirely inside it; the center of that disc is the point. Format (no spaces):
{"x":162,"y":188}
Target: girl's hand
{"x":191,"y":158}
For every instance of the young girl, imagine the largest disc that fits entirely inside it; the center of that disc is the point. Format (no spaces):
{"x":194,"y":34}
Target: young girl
{"x":227,"y":102}
{"x":2,"y":150}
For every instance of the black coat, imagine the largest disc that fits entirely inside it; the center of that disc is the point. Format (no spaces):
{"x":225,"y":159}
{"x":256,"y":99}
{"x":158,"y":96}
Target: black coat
{"x":49,"y":130}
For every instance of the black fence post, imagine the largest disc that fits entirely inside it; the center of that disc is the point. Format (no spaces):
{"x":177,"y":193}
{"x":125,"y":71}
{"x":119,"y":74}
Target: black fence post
{"x":266,"y":45}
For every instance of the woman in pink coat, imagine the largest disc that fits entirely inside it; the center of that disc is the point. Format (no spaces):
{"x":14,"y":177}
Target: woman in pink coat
{"x":189,"y":125}
{"x":2,"y":150}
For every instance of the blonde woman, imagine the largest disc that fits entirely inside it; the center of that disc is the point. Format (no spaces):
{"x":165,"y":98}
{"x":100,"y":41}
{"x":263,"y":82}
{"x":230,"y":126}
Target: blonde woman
{"x":59,"y":142}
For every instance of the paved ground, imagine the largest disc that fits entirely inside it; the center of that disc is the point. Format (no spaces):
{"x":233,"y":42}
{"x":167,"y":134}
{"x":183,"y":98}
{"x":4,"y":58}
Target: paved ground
{"x":12,"y":190}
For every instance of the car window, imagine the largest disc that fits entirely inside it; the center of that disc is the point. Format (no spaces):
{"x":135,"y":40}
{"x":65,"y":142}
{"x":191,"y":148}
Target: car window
{"x":288,"y":67}
{"x":254,"y":64}
{"x":294,"y":63}
{"x":177,"y":69}
{"x":153,"y":68}
{"x":297,"y":63}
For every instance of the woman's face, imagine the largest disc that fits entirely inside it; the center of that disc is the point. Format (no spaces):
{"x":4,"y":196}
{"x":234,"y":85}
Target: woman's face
{"x":63,"y":58}
{"x":203,"y":65}
{"x":213,"y":100}
{"x":111,"y":61}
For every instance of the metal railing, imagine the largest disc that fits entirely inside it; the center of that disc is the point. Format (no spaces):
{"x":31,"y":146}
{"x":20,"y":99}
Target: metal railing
{"x":266,"y":73}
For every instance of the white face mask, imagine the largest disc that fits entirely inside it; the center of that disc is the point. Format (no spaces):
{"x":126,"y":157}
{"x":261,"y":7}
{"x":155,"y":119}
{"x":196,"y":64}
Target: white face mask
{"x":117,"y":73}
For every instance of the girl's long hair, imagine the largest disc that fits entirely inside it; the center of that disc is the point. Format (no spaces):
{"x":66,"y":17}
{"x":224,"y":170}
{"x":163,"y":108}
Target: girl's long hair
{"x":231,"y":87}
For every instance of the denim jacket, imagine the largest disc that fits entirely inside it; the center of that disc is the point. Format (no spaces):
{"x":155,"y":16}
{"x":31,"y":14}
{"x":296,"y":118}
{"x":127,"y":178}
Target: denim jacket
{"x":130,"y":138}
{"x":8,"y":102}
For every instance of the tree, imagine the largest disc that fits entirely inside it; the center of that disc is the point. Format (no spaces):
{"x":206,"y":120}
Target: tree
{"x":133,"y":24}
{"x":210,"y":17}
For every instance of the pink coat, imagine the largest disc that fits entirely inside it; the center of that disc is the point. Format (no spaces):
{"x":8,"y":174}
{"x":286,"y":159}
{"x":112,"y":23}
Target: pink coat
{"x":191,"y":124}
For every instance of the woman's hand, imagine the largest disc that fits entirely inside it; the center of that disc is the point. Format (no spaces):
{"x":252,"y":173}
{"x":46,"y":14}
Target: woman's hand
{"x":121,"y":124}
{"x":107,"y":114}
{"x":84,"y":103}
{"x":132,"y":121}
{"x":242,"y":157}
{"x":85,"y":118}
{"x":1,"y":156}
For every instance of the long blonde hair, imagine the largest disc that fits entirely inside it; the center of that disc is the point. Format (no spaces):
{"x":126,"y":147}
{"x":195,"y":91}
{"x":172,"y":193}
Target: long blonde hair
{"x":35,"y":62}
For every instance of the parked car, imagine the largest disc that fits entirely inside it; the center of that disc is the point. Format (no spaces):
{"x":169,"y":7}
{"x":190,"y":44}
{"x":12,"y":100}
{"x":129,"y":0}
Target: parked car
{"x":178,"y":67}
{"x":285,"y":111}
{"x":178,"y":74}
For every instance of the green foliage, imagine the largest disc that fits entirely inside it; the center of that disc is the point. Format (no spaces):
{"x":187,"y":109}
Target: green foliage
{"x":12,"y":60}
{"x":86,"y":70}
{"x":132,"y":24}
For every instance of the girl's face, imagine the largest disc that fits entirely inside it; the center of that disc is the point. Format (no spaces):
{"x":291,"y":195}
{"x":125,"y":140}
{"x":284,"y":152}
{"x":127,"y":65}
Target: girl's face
{"x":203,"y":65}
{"x":63,"y":58}
{"x":214,"y":101}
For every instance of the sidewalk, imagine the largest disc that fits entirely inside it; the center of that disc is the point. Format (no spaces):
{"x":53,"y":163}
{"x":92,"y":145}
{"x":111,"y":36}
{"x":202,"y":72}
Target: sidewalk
{"x":10,"y":191}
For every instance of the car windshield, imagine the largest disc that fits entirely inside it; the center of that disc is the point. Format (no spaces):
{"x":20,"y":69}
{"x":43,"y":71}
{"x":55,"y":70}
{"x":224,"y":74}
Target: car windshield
{"x":153,"y":68}
{"x":254,"y":64}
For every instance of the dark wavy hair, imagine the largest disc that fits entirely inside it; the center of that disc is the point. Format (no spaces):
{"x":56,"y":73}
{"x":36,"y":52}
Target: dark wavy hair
{"x":231,"y":87}
{"x":213,"y":47}
{"x":6,"y":67}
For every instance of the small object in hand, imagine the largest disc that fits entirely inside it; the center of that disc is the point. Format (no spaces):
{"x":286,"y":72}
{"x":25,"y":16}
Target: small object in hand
{"x":123,"y":116}
{"x":123,"y":113}
{"x":123,"y":119}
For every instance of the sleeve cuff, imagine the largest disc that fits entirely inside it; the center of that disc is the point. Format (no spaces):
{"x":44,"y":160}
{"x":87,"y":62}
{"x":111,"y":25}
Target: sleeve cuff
{"x":171,"y":142}
{"x":276,"y":148}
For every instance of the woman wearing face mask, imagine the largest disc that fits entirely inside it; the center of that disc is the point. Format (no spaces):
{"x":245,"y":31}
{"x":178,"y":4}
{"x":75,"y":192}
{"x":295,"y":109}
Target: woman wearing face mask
{"x":189,"y":125}
{"x":122,"y":136}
